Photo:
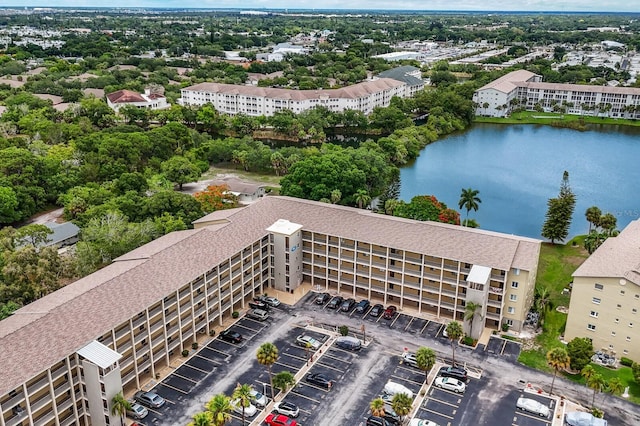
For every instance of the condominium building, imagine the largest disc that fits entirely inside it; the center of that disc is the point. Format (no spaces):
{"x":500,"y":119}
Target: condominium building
{"x":257,"y":101}
{"x":66,"y":355}
{"x":605,"y":298}
{"x":524,"y":89}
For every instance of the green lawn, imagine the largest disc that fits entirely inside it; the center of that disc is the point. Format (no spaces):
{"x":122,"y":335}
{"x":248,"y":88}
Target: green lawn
{"x":624,"y":374}
{"x":534,"y":117}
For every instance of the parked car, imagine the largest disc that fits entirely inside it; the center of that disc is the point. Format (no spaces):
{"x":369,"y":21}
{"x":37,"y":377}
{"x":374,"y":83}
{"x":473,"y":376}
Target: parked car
{"x":390,"y":415}
{"x":231,"y":336}
{"x":449,"y":383}
{"x":533,"y":406}
{"x":271,"y":301}
{"x":308,"y":341}
{"x":249,"y":411}
{"x":376,"y":310}
{"x":347,"y":304}
{"x":279,"y":420}
{"x":455,"y":372}
{"x":137,"y":411}
{"x":389,"y":312}
{"x":258,"y":314}
{"x":349,"y":343}
{"x":377,"y":421}
{"x":581,"y":418}
{"x":137,"y":424}
{"x":258,"y":304}
{"x":149,"y":399}
{"x":320,"y":380}
{"x":286,"y":408}
{"x":322,"y":298}
{"x":335,"y":302}
{"x":392,"y":388}
{"x":258,"y":399}
{"x":362,"y":306}
{"x":409,"y":358}
{"x":418,"y":422}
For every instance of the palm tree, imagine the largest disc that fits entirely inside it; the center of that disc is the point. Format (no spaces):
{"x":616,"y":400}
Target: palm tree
{"x":268,"y":355}
{"x":557,"y":358}
{"x":615,"y":386}
{"x":119,"y":406}
{"x":401,"y":403}
{"x":377,"y":407}
{"x":336,"y":195}
{"x":454,"y":333}
{"x":595,"y":382}
{"x":469,"y":200}
{"x":588,"y":371}
{"x":362,"y":198}
{"x":202,"y":419}
{"x":220,"y":408}
{"x":242,"y":394}
{"x":390,"y":206}
{"x":426,"y":359}
{"x":593,"y":215}
{"x":283,"y":380}
{"x":542,"y":300}
{"x":470,"y":313}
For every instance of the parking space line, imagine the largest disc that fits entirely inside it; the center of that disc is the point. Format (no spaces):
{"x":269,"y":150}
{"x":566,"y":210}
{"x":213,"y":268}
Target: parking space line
{"x":219,"y":351}
{"x":328,"y":355}
{"x":288,"y":366}
{"x":425,"y":327}
{"x":450,"y":404}
{"x":315,"y":387}
{"x":504,"y":344}
{"x":174,"y":388}
{"x":407,"y":380}
{"x":253,"y":320}
{"x":298,"y":357}
{"x":305,"y":396}
{"x":249,"y":328}
{"x":186,"y":378}
{"x":208,"y":359}
{"x":409,"y":324}
{"x":196,"y":368}
{"x":394,"y":320}
{"x":437,"y":413}
{"x":531,"y":416}
{"x":331,"y":367}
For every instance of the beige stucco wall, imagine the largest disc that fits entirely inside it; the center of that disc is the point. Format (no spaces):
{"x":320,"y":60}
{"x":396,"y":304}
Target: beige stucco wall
{"x":617,"y":326}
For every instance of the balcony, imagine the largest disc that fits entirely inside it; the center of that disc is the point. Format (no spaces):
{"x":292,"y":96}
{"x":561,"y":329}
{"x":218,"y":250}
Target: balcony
{"x":496,"y":290}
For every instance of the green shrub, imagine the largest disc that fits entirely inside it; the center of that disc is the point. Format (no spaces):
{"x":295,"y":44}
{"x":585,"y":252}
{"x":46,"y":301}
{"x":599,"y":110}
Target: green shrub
{"x":505,"y":327}
{"x":235,"y":314}
{"x":597,"y":413}
{"x":467,"y":340}
{"x":626,"y":361}
{"x":185,"y":353}
{"x":194,"y":345}
{"x":212,"y":333}
{"x":344,"y":330}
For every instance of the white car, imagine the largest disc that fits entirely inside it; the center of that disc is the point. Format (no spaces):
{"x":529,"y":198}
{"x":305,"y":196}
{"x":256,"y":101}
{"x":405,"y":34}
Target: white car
{"x":303,"y":340}
{"x":449,"y":383}
{"x":533,"y":406}
{"x":249,"y":411}
{"x":418,"y":422}
{"x":137,"y":411}
{"x":258,"y":399}
{"x":286,"y":408}
{"x":271,"y":301}
{"x":409,"y":358}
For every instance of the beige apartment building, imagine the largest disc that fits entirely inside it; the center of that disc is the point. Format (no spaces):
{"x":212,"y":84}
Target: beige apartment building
{"x":66,"y":355}
{"x":605,"y":298}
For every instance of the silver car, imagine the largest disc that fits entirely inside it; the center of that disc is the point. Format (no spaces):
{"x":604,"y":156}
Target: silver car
{"x":137,"y":411}
{"x":304,"y":341}
{"x":449,"y":383}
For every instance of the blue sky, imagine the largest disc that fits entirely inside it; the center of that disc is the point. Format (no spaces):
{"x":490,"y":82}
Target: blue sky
{"x":517,"y":5}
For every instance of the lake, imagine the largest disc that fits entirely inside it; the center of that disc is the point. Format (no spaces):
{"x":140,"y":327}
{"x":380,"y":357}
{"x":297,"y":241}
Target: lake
{"x":517,"y":168}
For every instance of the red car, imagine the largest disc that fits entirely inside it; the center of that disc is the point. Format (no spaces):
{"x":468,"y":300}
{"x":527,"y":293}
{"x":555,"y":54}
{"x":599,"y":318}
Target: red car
{"x":389,"y":312}
{"x":279,"y":420}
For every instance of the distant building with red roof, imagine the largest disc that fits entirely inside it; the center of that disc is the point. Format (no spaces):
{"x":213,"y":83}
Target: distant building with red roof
{"x":149,"y":100}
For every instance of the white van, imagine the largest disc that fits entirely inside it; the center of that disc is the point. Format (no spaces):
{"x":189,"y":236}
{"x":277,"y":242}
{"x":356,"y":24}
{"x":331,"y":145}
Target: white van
{"x":392,"y":388}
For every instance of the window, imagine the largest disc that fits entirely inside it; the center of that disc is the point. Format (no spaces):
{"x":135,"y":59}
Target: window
{"x":621,"y":291}
{"x":617,"y":320}
{"x":625,"y":352}
{"x":630,"y":324}
{"x":511,"y":310}
{"x":513,"y":297}
{"x":509,"y":322}
{"x":599,"y":286}
{"x":596,"y":300}
{"x":618,"y":306}
{"x":613,"y":333}
{"x":514,"y":284}
{"x":628,"y":339}
{"x":591,"y":327}
{"x":594,"y":314}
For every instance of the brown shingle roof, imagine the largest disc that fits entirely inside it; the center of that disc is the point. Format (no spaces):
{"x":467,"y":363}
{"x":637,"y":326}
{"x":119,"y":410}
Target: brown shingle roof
{"x":354,"y":91}
{"x":509,"y":81}
{"x":44,"y":332}
{"x":125,"y":96}
{"x":617,"y":257}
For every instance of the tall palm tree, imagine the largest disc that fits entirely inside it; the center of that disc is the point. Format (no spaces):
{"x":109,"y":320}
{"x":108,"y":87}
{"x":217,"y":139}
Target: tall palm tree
{"x":588,"y":371}
{"x":220,"y":408}
{"x":593,"y":215}
{"x":595,"y":382}
{"x":377,"y":407}
{"x":401,"y":404}
{"x":362,"y":198}
{"x":242,"y":395}
{"x":283,"y":380}
{"x":426,"y":359}
{"x":542,"y":301}
{"x":615,"y":386}
{"x":558,"y":359}
{"x":470,"y":313}
{"x":202,"y":419}
{"x":469,"y":200}
{"x":268,"y":355}
{"x":454,"y":333}
{"x":119,"y":406}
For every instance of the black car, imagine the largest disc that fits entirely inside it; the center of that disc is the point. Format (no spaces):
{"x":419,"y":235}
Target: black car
{"x":377,"y":421}
{"x":377,"y":310}
{"x":362,"y":306}
{"x":258,"y":304}
{"x":335,"y":302}
{"x":319,"y":380}
{"x":455,"y":372}
{"x":347,"y":305}
{"x":231,"y":336}
{"x":323,"y":298}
